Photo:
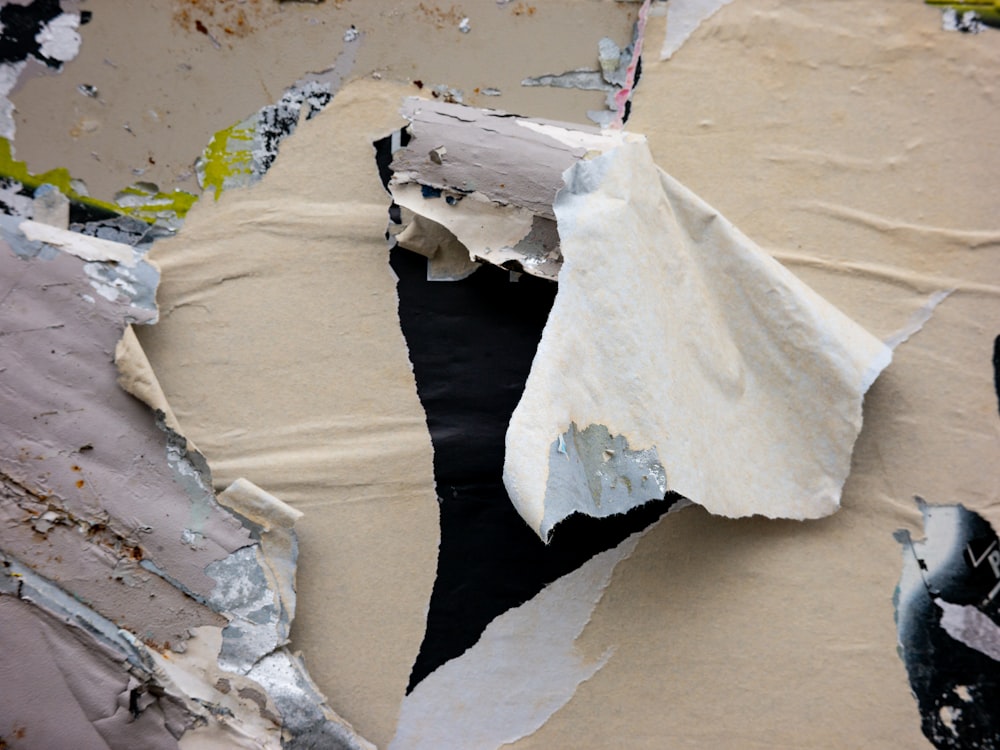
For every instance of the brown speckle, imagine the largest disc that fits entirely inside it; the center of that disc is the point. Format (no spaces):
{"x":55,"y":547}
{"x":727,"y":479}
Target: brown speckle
{"x":79,"y":483}
{"x":441,"y":18}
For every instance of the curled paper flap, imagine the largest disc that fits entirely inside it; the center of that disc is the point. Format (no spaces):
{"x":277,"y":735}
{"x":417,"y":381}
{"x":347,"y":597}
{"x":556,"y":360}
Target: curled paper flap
{"x":680,"y":357}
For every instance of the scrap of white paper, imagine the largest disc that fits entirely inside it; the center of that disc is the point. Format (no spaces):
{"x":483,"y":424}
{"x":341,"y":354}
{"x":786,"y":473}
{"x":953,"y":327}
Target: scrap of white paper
{"x":683,"y":17}
{"x":697,"y":362}
{"x":523,"y":669}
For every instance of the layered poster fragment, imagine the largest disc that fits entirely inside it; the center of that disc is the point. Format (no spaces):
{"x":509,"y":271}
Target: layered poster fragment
{"x":678,"y":356}
{"x":150,"y":612}
{"x":948,"y":617}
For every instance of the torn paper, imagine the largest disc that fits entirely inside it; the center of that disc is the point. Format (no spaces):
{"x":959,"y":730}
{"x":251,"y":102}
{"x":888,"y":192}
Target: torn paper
{"x":700,"y":365}
{"x":151,"y":212}
{"x":735,"y":345}
{"x":948,"y":617}
{"x":683,"y":17}
{"x":80,"y":245}
{"x":522,"y":670}
{"x":471,"y":343}
{"x":112,"y":531}
{"x":616,"y":76}
{"x":335,"y":431}
{"x":240,"y":154}
{"x":489,"y":179}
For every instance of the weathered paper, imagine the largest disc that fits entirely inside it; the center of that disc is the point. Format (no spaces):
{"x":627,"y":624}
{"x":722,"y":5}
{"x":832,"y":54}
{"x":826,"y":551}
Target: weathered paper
{"x":488,"y":180}
{"x":295,"y":376}
{"x":150,"y":597}
{"x":718,"y":373}
{"x":824,"y":131}
{"x":685,"y":337}
{"x":777,"y":633}
{"x":524,"y":668}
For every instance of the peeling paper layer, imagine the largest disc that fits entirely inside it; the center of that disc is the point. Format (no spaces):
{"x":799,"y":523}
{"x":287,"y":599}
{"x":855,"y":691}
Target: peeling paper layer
{"x":697,"y":354}
{"x":489,"y":179}
{"x":683,"y":17}
{"x":522,"y":670}
{"x":315,"y":401}
{"x":149,"y":593}
{"x":948,"y":619}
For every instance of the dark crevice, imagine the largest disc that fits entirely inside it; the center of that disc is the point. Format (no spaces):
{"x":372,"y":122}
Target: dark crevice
{"x":472,"y":343}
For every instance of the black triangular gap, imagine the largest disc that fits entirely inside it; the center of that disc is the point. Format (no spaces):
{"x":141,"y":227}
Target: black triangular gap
{"x":472,"y":343}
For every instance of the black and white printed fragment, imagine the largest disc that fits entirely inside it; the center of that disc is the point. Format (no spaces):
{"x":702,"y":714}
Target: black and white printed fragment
{"x":948,"y":621}
{"x":39,"y":31}
{"x":471,"y":342}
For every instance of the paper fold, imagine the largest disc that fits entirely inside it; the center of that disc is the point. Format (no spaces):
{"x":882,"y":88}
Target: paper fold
{"x":709,"y":369}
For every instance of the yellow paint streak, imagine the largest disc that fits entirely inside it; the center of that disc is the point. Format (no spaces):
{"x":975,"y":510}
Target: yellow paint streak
{"x":176,"y":201}
{"x":222,"y":160}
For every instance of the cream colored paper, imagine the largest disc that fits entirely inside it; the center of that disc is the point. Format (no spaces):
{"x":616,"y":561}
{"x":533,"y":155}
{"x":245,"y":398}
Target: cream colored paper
{"x":738,"y":385}
{"x":853,"y":143}
{"x":827,"y":133}
{"x":523,"y":669}
{"x":280,"y":351}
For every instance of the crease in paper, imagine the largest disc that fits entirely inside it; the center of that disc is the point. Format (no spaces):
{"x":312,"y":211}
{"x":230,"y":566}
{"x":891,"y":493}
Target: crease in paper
{"x":708,"y":368}
{"x":523,"y":669}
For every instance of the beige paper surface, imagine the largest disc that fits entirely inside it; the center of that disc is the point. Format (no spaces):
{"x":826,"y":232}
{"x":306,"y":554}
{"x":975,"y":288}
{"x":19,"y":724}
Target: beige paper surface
{"x":827,"y":132}
{"x":281,"y":353}
{"x":853,"y":142}
{"x":164,"y":88}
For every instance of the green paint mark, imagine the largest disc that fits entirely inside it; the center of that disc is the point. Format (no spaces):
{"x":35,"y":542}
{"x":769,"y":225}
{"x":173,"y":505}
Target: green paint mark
{"x":224,"y":158}
{"x":151,"y":206}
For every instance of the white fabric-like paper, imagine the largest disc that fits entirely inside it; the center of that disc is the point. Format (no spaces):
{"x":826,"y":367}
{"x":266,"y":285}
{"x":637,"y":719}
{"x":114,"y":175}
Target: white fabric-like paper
{"x":679,"y":356}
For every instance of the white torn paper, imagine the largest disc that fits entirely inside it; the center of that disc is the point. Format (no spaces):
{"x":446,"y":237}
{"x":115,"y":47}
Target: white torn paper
{"x":58,"y":39}
{"x":683,"y":17}
{"x":523,"y":669}
{"x":679,"y":356}
{"x":918,"y":319}
{"x":80,"y":245}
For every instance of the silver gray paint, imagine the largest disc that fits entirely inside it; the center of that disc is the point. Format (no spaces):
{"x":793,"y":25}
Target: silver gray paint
{"x":594,"y":472}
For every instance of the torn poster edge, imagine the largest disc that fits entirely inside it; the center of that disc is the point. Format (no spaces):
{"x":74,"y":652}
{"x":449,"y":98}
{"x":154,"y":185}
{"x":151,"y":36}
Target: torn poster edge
{"x":246,"y":646}
{"x":467,"y":702}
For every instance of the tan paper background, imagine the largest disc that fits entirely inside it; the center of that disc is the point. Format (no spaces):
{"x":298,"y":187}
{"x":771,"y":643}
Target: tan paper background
{"x":853,"y":141}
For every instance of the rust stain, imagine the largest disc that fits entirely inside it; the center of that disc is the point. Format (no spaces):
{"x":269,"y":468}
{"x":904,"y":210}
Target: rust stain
{"x":223,"y":18}
{"x":441,"y":18}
